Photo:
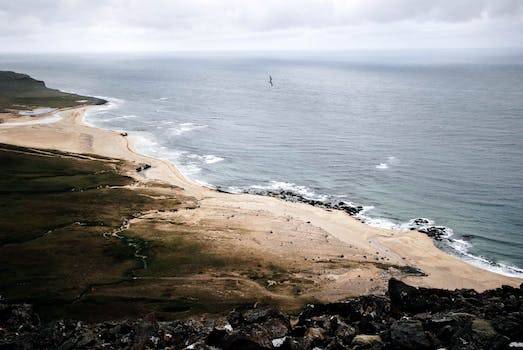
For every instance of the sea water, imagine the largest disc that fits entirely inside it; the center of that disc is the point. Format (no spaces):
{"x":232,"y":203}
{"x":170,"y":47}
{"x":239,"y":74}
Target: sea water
{"x":434,"y":134}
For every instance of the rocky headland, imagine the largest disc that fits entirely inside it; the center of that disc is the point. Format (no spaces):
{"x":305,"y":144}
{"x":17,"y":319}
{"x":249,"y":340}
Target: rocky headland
{"x":20,"y":92}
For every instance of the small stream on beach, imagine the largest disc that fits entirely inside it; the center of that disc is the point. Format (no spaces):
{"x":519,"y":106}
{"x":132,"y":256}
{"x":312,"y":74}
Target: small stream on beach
{"x":433,"y":135}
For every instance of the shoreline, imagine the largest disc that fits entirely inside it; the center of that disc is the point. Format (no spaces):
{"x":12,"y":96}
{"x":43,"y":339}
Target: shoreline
{"x":359,"y":242}
{"x":441,"y":235}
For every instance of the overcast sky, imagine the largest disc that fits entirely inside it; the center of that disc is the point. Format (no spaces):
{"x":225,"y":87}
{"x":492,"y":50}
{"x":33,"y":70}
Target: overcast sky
{"x":170,"y":25}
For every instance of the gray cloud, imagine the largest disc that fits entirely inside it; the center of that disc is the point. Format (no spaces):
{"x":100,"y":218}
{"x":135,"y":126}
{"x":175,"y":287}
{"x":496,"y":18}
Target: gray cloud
{"x":233,"y":24}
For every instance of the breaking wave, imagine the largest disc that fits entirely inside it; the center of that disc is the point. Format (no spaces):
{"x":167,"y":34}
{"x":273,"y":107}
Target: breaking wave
{"x":391,"y":160}
{"x":207,"y":159}
{"x":185,"y":127}
{"x":302,"y":191}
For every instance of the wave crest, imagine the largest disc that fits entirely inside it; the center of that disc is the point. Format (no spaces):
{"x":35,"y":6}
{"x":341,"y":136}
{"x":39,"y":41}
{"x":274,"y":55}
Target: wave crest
{"x":207,"y":158}
{"x":185,"y":127}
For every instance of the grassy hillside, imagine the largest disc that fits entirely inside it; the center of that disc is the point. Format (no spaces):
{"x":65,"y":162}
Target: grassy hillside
{"x":67,"y":247}
{"x":21,"y":92}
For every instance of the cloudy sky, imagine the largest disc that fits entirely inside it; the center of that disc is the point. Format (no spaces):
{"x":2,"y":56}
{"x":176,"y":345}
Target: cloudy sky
{"x":171,"y":25}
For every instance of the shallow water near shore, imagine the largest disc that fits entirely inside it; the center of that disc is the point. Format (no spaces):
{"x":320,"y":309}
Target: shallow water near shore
{"x":438,"y":136}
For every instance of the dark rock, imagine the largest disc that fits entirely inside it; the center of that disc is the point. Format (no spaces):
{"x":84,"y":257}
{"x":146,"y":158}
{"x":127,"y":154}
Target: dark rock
{"x":435,"y":232}
{"x":290,"y":196}
{"x":276,"y":327}
{"x":262,"y":314}
{"x":251,"y":337}
{"x":218,"y":336}
{"x":143,"y":167}
{"x":184,"y":333}
{"x":200,"y":345}
{"x":290,"y":343}
{"x":409,"y":334}
{"x":315,"y":336}
{"x":364,"y":341}
{"x":510,"y":325}
{"x":343,"y":332}
{"x":335,"y":344}
{"x":420,"y":221}
{"x":405,"y":298}
{"x":410,"y":270}
{"x":409,"y":318}
{"x":18,"y":317}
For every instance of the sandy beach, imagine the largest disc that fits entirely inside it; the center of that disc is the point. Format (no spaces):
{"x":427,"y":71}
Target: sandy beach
{"x":340,"y":256}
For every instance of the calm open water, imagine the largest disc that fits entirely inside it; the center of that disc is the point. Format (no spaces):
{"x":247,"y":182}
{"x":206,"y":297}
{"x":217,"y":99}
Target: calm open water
{"x":428,"y":134}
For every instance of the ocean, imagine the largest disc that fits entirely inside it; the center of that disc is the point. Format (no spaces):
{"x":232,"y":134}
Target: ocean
{"x":427,"y":134}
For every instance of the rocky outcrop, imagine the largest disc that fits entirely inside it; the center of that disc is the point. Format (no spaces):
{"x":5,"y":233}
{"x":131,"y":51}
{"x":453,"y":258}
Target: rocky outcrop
{"x":143,"y":167}
{"x":407,"y":318}
{"x":289,"y":196}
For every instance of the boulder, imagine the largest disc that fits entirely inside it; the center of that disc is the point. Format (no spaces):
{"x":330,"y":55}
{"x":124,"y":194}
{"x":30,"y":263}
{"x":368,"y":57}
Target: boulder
{"x":365,"y":341}
{"x":251,"y":337}
{"x":315,"y":337}
{"x":409,"y":318}
{"x":409,"y":335}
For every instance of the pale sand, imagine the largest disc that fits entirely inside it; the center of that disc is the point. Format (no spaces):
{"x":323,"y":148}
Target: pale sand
{"x":340,"y":254}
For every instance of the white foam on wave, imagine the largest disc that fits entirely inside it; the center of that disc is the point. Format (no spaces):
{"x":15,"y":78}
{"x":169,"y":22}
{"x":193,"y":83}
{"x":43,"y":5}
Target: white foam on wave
{"x":303,"y":191}
{"x":391,"y":160}
{"x":207,"y":158}
{"x":112,"y":103}
{"x":235,"y":189}
{"x":119,"y":117}
{"x":463,"y":250}
{"x":459,"y":247}
{"x":127,"y":116}
{"x":188,"y":169}
{"x":92,"y":115}
{"x":185,"y":127}
{"x":205,"y":184}
{"x":379,"y":222}
{"x":145,"y":143}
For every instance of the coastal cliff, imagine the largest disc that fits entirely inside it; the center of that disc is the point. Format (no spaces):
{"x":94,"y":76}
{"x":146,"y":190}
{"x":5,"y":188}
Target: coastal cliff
{"x":19,"y":92}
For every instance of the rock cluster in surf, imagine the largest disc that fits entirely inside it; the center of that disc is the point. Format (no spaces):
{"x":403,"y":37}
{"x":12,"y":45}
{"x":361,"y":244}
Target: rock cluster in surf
{"x":407,"y":318}
{"x":290,"y":196}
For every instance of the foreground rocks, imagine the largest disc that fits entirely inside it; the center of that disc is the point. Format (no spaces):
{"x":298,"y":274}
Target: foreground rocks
{"x":407,"y":318}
